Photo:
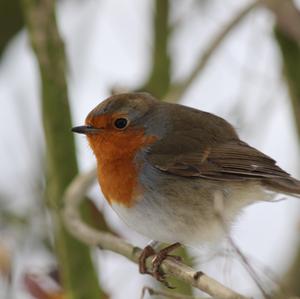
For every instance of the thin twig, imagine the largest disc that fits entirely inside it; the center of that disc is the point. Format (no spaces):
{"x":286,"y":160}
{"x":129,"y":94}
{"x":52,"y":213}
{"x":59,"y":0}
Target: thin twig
{"x":178,"y":89}
{"x":248,"y":266}
{"x":219,"y":208}
{"x":166,"y":294}
{"x":287,"y":16}
{"x":73,"y":197}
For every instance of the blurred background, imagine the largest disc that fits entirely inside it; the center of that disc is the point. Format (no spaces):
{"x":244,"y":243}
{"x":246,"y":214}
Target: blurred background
{"x":237,"y":59}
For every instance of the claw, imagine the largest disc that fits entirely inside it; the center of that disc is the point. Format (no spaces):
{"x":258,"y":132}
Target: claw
{"x":159,"y":258}
{"x":147,"y":252}
{"x":156,"y":262}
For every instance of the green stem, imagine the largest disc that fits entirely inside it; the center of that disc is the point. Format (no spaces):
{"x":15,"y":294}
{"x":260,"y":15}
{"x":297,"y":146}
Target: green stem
{"x":78,"y":274}
{"x":290,"y":51}
{"x":159,"y":79}
{"x":11,"y":21}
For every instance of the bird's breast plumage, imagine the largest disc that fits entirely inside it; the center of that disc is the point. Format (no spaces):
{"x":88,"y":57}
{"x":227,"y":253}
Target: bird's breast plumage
{"x":118,"y":167}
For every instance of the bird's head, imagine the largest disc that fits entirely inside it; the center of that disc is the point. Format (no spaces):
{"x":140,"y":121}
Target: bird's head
{"x":119,"y":125}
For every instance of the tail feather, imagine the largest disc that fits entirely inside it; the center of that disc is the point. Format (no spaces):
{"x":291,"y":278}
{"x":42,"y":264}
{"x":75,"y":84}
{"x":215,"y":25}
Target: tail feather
{"x":289,"y":186}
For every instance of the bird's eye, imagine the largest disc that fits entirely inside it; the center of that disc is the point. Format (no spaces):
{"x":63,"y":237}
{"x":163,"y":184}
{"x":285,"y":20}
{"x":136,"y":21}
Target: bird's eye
{"x":121,"y":123}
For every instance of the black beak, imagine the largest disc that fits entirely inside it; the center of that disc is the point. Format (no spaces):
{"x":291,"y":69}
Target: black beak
{"x":86,"y":130}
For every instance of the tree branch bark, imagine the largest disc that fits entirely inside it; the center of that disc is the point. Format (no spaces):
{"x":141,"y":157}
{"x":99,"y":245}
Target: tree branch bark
{"x":72,"y":199}
{"x":166,"y":294}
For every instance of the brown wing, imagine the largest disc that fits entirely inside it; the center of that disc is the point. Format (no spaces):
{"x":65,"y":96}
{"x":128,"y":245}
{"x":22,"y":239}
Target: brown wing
{"x":199,"y":144}
{"x":233,"y":160}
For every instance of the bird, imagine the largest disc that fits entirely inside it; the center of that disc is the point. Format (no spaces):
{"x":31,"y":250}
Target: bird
{"x":161,"y":166}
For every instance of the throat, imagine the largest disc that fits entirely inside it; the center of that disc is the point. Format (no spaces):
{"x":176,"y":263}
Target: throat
{"x":117,"y":167}
{"x":118,"y":179}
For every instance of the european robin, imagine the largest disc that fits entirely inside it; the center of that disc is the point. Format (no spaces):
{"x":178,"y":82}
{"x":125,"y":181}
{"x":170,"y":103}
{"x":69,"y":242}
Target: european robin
{"x":160,"y":166}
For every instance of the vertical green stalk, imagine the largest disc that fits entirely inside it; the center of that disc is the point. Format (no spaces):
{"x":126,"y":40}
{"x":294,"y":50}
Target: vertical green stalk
{"x":11,"y":21}
{"x":78,"y":274}
{"x":159,"y":80}
{"x":290,"y":51}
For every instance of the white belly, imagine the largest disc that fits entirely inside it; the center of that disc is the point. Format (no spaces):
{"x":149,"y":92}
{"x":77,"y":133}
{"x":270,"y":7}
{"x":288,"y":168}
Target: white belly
{"x":185,"y":221}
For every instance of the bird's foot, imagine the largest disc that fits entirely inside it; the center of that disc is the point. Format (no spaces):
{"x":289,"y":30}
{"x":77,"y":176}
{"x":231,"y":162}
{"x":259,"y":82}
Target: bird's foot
{"x":159,"y":257}
{"x":147,"y":252}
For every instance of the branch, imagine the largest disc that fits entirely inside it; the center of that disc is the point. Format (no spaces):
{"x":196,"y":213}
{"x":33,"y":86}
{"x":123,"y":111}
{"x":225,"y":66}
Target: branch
{"x":287,"y":17}
{"x":219,"y":208}
{"x":166,"y":294}
{"x":72,"y":199}
{"x":179,"y":88}
{"x":11,"y":21}
{"x":40,"y":19}
{"x":159,"y":78}
{"x":290,"y":51}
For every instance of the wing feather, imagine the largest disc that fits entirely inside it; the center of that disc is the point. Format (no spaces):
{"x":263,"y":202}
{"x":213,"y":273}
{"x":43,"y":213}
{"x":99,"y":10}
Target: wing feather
{"x":233,"y":160}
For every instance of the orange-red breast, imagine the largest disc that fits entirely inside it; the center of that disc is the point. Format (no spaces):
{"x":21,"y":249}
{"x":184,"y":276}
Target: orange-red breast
{"x":160,"y":164}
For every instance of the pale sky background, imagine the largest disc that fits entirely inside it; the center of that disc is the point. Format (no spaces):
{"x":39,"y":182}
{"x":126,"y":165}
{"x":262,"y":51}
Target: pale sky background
{"x":108,"y":43}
